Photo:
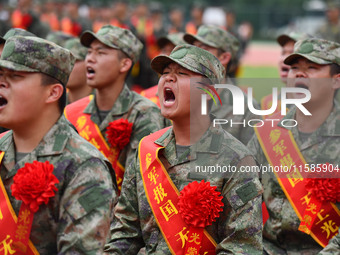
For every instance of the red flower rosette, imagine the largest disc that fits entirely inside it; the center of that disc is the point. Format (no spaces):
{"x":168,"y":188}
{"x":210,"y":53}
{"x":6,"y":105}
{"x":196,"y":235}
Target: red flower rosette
{"x":324,"y":189}
{"x":199,"y":204}
{"x":119,"y":132}
{"x":34,"y":184}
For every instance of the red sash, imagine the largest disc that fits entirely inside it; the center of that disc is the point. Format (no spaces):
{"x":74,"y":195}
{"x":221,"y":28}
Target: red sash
{"x":162,"y":196}
{"x":90,"y":131}
{"x":8,"y":225}
{"x":266,"y":103}
{"x":151,"y":93}
{"x":280,"y":149}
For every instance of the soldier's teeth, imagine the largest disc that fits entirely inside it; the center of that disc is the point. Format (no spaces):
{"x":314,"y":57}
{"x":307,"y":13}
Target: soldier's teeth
{"x":169,"y":95}
{"x":3,"y":101}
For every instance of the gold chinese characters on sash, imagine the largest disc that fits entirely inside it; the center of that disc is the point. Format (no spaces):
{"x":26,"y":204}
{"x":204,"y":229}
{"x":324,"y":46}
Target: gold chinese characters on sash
{"x":320,"y":220}
{"x":162,"y":196}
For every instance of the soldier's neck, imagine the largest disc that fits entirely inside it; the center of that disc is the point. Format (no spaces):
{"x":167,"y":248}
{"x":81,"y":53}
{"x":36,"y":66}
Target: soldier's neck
{"x":27,"y":136}
{"x":106,"y":97}
{"x":310,"y":123}
{"x":76,"y":94}
{"x":189,"y":131}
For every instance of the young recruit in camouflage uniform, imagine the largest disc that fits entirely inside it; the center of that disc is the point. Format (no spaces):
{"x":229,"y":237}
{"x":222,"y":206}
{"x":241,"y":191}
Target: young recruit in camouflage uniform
{"x":238,"y":230}
{"x":281,"y":234}
{"x":220,"y":39}
{"x":76,"y":220}
{"x":75,"y":82}
{"x":333,"y":247}
{"x":144,"y":114}
{"x":10,"y":33}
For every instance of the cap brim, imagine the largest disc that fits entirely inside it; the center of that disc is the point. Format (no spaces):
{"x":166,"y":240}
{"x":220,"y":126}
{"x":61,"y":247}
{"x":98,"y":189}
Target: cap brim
{"x":283,"y":39}
{"x":291,"y":58}
{"x":160,"y":62}
{"x":192,"y":38}
{"x":16,"y":67}
{"x":189,"y":38}
{"x":88,"y":37}
{"x":162,"y":41}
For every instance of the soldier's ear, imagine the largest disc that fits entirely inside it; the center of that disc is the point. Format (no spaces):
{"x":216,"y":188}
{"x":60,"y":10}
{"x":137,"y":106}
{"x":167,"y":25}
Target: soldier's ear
{"x":55,"y":91}
{"x":336,"y":81}
{"x":125,"y":64}
{"x":225,"y":58}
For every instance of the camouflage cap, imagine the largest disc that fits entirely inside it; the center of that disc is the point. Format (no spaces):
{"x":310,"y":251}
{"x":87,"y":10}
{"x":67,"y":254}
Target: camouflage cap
{"x":174,"y":38}
{"x":117,"y":38}
{"x":216,"y":37}
{"x":76,"y":48}
{"x":291,"y":36}
{"x":317,"y":50}
{"x":13,"y":32}
{"x":58,"y":37}
{"x":192,"y":58}
{"x":34,"y":54}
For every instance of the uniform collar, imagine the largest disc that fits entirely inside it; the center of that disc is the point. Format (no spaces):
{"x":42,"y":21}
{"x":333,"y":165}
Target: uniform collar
{"x":330,"y":128}
{"x":120,"y":107}
{"x":209,"y":143}
{"x":53,"y":143}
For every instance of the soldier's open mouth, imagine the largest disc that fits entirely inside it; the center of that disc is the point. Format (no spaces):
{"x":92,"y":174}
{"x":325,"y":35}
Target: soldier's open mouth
{"x":90,"y":70}
{"x":301,"y":85}
{"x":3,"y":101}
{"x":169,"y":96}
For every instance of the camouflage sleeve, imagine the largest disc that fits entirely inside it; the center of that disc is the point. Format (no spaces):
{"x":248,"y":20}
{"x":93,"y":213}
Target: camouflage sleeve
{"x":241,"y":222}
{"x":333,"y":247}
{"x":126,"y":235}
{"x":248,"y":131}
{"x":146,"y":122}
{"x":85,"y":210}
{"x":255,"y":148}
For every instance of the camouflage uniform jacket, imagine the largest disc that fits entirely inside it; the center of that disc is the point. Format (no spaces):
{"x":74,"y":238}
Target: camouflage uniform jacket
{"x":281,"y":234}
{"x":238,"y":230}
{"x":333,"y":247}
{"x":144,"y":115}
{"x":77,"y":219}
{"x":241,"y":131}
{"x":329,"y":32}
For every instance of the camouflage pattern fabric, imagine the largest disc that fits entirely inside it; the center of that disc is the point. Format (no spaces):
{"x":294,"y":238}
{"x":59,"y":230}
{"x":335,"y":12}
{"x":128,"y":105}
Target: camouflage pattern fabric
{"x":117,"y":38}
{"x":295,"y":36}
{"x":192,"y":58}
{"x":238,"y":230}
{"x":144,"y":115}
{"x":33,"y":54}
{"x":328,"y":30}
{"x":333,"y":247}
{"x":13,"y":32}
{"x":76,"y":48}
{"x":216,"y":37}
{"x":59,"y":37}
{"x":281,"y":234}
{"x":317,"y":50}
{"x":77,"y":219}
{"x":175,"y":39}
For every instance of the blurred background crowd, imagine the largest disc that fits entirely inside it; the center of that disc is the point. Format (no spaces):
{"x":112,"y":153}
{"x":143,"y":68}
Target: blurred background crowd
{"x":248,"y":20}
